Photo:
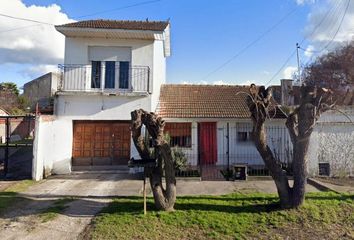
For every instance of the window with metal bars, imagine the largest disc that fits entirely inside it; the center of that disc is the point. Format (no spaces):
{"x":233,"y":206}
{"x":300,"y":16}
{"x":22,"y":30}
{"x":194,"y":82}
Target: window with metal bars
{"x":180,"y":134}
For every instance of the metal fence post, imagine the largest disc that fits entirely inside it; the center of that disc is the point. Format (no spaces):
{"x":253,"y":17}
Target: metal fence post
{"x":148,"y":80}
{"x":228,"y":146}
{"x":6,"y":162}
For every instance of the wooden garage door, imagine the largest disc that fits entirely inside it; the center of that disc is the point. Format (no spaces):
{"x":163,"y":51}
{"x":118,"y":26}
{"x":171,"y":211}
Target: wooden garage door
{"x":101,"y":143}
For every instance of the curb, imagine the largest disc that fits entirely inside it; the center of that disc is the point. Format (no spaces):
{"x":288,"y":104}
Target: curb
{"x":320,"y":186}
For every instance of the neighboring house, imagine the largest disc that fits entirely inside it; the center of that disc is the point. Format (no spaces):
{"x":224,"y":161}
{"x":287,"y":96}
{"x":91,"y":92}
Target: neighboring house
{"x":3,"y":112}
{"x":110,"y":69}
{"x":211,"y":124}
{"x":41,"y":91}
{"x":20,"y":127}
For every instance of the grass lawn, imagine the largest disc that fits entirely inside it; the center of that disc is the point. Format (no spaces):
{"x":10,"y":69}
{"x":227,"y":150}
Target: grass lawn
{"x":53,"y":211}
{"x":10,"y":195}
{"x":325,"y":215}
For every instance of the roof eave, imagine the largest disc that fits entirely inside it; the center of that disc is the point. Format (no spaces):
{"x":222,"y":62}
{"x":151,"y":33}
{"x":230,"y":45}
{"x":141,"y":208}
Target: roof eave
{"x":72,"y":31}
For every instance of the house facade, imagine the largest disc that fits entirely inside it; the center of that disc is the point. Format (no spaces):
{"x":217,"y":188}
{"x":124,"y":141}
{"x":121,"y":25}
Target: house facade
{"x":114,"y":67}
{"x":110,"y":69}
{"x":211,"y":124}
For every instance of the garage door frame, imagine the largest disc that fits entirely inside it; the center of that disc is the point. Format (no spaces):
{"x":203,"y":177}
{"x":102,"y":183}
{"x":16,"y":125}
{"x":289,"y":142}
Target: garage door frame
{"x":101,"y":142}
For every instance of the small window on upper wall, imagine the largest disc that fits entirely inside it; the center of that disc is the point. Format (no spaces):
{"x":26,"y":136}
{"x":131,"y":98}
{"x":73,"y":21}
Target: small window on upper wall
{"x":180,"y":134}
{"x":244,"y":137}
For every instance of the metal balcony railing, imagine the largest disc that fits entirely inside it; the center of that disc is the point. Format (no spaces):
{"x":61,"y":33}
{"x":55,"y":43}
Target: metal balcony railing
{"x":108,"y":78}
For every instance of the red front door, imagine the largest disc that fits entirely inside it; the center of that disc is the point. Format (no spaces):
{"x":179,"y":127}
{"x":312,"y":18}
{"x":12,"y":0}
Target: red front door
{"x":207,"y":143}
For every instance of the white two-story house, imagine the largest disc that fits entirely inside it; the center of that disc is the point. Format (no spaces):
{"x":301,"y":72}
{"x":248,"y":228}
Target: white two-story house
{"x":110,"y":69}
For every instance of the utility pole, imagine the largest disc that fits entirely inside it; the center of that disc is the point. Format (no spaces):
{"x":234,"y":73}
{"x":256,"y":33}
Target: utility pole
{"x":298,"y":62}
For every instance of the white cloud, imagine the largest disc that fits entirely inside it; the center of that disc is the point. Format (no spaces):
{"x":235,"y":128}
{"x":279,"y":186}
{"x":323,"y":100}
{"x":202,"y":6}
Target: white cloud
{"x":38,"y":70}
{"x":221,"y":82}
{"x":202,"y":82}
{"x":303,"y":2}
{"x":248,"y":82}
{"x":323,"y":22}
{"x":39,"y":44}
{"x":309,"y":51}
{"x":289,"y":72}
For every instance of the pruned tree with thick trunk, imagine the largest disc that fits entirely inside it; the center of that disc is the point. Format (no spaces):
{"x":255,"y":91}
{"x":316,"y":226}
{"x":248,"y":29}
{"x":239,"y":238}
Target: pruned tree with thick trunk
{"x":300,"y":123}
{"x":164,"y":197}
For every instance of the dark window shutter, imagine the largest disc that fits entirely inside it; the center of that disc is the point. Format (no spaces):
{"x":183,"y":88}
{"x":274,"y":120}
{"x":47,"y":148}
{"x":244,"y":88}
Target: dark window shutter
{"x":96,"y":74}
{"x":124,"y":75}
{"x":110,"y":74}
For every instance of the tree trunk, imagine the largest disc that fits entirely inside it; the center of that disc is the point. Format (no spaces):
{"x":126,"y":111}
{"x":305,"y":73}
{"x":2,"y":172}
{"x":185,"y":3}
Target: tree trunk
{"x":164,"y":198}
{"x":278,"y":174}
{"x":307,"y":119}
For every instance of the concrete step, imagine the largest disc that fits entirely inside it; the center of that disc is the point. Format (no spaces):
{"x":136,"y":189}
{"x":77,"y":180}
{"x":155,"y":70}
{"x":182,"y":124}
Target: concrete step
{"x":109,"y":169}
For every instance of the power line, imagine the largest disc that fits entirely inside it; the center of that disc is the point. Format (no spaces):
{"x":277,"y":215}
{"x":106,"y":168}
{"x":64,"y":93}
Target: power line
{"x":83,"y":16}
{"x":14,"y":29}
{"x":25,"y":19}
{"x":281,"y":68}
{"x":251,"y":44}
{"x":293,"y":52}
{"x":120,"y":8}
{"x":330,"y":15}
{"x":335,"y":34}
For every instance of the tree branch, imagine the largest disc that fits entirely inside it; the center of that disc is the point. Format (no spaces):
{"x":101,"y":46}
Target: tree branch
{"x":138,"y":139}
{"x":292,"y":124}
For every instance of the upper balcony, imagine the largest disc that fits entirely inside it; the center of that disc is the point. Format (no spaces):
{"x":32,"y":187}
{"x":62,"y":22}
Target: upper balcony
{"x":116,"y":78}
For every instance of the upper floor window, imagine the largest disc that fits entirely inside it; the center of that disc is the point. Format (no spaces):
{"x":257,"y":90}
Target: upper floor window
{"x":244,"y":136}
{"x":180,"y":134}
{"x":96,"y":74}
{"x":113,"y":71}
{"x":124,"y":75}
{"x":110,"y":74}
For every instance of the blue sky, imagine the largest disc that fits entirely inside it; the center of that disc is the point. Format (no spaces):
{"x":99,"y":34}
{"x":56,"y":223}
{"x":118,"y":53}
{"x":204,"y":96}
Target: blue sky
{"x":205,"y":34}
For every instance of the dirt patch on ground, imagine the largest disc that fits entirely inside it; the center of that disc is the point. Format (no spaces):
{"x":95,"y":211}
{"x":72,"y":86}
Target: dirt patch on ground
{"x":6,"y":184}
{"x":311,"y":231}
{"x":23,"y":220}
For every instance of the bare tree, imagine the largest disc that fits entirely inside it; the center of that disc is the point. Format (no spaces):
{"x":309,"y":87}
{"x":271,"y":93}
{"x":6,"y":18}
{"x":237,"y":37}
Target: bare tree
{"x":164,"y":197}
{"x":300,"y":123}
{"x":332,"y":70}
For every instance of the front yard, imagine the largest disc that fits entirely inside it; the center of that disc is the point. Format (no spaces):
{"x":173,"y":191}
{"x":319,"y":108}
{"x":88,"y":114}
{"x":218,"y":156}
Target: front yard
{"x":326,"y":215}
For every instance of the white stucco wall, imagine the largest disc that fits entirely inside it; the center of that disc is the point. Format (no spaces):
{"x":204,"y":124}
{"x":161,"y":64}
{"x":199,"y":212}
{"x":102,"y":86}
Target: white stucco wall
{"x":158,"y":73}
{"x":332,"y":141}
{"x":77,"y":50}
{"x":99,"y":107}
{"x":52,"y":147}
